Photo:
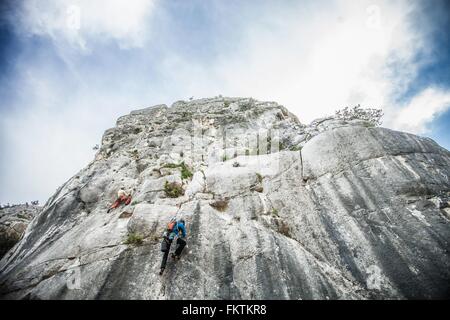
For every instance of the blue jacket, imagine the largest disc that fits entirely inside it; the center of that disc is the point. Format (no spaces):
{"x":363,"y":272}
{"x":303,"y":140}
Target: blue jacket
{"x":178,"y":226}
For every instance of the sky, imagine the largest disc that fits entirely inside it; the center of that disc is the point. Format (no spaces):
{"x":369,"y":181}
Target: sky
{"x":69,"y":69}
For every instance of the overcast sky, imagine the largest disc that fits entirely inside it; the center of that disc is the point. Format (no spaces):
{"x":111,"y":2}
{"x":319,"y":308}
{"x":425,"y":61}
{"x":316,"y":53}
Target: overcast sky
{"x":69,"y":69}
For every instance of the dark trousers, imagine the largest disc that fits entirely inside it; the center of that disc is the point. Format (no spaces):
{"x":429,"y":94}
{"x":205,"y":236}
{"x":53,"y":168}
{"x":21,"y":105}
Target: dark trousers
{"x":166,"y":253}
{"x":180,"y":246}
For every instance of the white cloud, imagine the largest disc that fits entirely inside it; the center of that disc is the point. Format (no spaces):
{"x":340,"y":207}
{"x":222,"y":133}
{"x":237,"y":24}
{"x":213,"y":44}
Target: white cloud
{"x":418,"y":114}
{"x":82,"y":23}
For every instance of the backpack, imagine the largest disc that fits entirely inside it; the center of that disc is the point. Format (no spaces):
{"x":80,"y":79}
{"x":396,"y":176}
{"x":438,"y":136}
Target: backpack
{"x":171,"y":226}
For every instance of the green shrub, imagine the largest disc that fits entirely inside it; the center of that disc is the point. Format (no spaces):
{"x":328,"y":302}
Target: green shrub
{"x":173,"y":189}
{"x":185,"y":172}
{"x":134,"y":239}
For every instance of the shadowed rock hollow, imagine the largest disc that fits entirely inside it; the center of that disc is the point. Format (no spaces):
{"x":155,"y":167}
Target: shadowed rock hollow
{"x":338,"y":209}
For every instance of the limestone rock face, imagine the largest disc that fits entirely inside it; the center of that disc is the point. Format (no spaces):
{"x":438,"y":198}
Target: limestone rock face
{"x":13,"y":222}
{"x":338,"y":209}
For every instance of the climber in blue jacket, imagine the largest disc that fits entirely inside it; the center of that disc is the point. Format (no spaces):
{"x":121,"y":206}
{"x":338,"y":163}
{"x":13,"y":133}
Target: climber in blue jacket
{"x":180,"y":227}
{"x":180,"y":232}
{"x":175,"y":229}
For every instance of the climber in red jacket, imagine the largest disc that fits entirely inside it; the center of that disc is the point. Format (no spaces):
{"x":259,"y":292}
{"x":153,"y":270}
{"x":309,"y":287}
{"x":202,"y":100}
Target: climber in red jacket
{"x":122,"y":197}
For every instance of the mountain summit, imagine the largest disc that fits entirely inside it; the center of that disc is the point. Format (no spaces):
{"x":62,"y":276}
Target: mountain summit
{"x":274,"y":209}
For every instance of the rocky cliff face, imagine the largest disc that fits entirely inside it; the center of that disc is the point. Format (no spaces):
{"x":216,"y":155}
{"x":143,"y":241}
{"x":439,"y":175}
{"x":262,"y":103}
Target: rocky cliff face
{"x":13,"y":222}
{"x":338,"y":209}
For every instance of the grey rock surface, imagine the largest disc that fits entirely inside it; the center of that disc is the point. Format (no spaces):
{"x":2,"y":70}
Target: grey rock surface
{"x":338,"y":209}
{"x":13,"y":222}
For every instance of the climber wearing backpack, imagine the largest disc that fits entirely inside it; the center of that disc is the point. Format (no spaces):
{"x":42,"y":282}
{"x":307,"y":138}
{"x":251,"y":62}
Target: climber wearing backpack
{"x":174,"y":229}
{"x":122,"y":197}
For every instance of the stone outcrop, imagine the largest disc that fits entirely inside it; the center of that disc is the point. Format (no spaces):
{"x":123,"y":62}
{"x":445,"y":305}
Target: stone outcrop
{"x":13,"y":222}
{"x":275,"y":209}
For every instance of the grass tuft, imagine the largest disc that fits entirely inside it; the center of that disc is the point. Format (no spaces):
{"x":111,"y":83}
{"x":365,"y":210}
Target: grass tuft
{"x":173,"y":189}
{"x":134,"y":239}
